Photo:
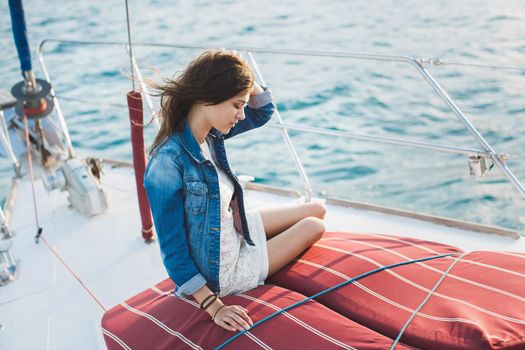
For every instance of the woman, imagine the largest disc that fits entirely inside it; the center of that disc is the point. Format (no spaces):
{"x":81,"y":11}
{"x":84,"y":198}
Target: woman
{"x":211,"y":246}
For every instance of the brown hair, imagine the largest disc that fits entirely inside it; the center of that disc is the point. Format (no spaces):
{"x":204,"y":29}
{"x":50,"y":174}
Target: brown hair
{"x":211,"y":78}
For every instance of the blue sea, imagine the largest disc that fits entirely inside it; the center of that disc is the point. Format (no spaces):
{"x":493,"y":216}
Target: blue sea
{"x":366,"y":97}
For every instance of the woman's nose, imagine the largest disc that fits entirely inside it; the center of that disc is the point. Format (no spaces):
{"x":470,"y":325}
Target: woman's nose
{"x":241,"y":114}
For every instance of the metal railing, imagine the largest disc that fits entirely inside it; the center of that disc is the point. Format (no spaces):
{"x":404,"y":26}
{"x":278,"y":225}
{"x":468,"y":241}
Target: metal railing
{"x":58,"y":109}
{"x":6,"y":143}
{"x":486,"y":150}
{"x":284,"y":132}
{"x":4,"y":230}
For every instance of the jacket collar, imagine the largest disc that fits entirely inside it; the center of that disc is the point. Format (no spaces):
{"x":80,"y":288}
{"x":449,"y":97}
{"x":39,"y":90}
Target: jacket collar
{"x":189,"y":142}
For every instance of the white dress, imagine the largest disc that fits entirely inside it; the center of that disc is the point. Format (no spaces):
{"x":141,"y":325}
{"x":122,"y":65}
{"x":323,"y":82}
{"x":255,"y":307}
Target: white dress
{"x":242,"y":266}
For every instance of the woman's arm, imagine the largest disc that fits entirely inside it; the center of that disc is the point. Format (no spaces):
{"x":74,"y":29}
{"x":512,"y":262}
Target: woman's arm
{"x":259,"y":111}
{"x":163,"y":184}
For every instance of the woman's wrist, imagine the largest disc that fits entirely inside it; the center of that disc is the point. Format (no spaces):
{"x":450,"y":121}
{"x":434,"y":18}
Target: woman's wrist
{"x":208,"y":300}
{"x":205,"y":292}
{"x":214,"y":307}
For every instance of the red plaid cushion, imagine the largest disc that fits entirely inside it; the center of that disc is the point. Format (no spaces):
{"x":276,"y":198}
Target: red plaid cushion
{"x":479,"y":305}
{"x":154,"y":319}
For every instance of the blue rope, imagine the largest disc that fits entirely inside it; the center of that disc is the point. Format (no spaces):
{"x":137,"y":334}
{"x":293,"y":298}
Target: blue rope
{"x":328,"y":290}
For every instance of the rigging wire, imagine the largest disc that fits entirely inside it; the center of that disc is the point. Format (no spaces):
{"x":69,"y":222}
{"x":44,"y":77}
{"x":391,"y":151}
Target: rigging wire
{"x":30,"y":167}
{"x":130,"y":47}
{"x":40,"y":229}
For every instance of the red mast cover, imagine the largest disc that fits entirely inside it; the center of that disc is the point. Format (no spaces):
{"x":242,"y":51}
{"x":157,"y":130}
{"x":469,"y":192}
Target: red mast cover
{"x":139,"y":160}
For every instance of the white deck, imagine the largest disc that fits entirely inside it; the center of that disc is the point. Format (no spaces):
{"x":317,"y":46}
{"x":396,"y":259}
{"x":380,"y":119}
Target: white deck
{"x":47,"y":308}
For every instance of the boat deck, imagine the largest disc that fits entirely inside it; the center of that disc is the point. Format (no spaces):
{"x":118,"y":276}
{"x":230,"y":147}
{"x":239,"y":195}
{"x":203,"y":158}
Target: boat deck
{"x":47,"y":307}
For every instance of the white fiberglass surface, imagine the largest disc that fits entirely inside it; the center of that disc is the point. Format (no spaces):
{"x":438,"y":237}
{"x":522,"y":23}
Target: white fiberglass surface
{"x":108,"y":254}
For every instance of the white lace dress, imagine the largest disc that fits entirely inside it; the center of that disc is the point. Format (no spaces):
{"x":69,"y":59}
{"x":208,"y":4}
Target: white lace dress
{"x":242,"y":266}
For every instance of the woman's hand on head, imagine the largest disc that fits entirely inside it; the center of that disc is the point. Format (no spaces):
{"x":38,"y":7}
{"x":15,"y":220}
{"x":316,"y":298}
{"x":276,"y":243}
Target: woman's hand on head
{"x":256,"y":90}
{"x":233,"y":317}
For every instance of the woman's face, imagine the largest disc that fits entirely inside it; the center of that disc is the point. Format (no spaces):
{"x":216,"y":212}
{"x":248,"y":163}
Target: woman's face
{"x":226,"y":114}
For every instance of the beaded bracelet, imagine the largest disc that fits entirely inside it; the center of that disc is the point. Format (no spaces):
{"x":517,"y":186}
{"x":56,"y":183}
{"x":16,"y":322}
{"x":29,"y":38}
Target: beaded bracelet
{"x":213,"y":295}
{"x":208,"y":305}
{"x":213,"y":317}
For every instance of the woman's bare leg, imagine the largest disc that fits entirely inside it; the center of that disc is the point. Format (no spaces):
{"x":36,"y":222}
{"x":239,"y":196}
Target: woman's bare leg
{"x":279,"y":219}
{"x":290,"y":230}
{"x":287,"y":245}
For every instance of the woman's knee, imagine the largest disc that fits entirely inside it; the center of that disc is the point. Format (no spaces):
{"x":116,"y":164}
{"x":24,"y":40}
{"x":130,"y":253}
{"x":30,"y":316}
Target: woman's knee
{"x":315,"y":228}
{"x":317,"y":209}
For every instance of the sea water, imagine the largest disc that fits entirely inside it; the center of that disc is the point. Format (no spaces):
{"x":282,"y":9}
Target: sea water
{"x":365,"y":97}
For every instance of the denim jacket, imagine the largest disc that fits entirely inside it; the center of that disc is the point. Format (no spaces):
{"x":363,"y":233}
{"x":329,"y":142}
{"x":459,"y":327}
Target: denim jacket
{"x":183,"y":191}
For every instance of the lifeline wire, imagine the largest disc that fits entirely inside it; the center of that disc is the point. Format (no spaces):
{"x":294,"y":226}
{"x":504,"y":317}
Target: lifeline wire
{"x":481,"y":65}
{"x":70,"y":269}
{"x":330,"y":289}
{"x":424,"y":301}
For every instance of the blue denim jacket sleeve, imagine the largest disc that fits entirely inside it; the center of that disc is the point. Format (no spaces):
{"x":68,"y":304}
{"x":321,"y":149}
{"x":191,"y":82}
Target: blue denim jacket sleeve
{"x":163,"y":184}
{"x":259,"y":111}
